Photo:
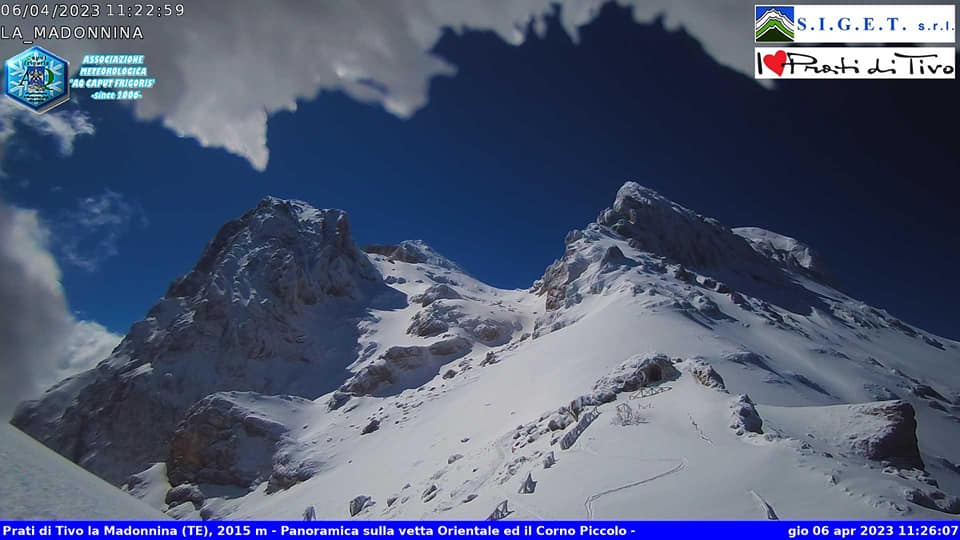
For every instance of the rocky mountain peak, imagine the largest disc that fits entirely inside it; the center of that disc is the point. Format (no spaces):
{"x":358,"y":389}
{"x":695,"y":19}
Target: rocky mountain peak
{"x":660,"y":226}
{"x":646,"y":224}
{"x":287,"y":246}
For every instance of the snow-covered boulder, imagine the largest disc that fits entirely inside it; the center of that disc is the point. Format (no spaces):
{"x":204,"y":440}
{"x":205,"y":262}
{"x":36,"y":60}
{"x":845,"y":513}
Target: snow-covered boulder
{"x":934,"y":499}
{"x":636,"y":372}
{"x":359,"y":504}
{"x":883,"y":431}
{"x":888,"y":432}
{"x":429,"y":322}
{"x":414,"y":252}
{"x":744,"y":416}
{"x":396,"y":360}
{"x":436,"y":292}
{"x":488,"y":324}
{"x":372,"y":425}
{"x":704,"y":373}
{"x":489,"y":330}
{"x":185,"y":493}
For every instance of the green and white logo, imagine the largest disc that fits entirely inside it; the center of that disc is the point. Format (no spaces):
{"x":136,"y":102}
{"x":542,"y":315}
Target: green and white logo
{"x":774,"y":24}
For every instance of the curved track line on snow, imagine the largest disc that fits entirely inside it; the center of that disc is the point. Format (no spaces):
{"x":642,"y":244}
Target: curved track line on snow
{"x":588,"y":503}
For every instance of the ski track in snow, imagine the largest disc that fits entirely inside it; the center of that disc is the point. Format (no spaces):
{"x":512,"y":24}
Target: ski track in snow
{"x":589,"y":502}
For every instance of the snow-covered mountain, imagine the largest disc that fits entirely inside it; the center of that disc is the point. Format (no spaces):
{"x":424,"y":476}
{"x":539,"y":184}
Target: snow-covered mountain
{"x":665,"y":366}
{"x":274,"y":305}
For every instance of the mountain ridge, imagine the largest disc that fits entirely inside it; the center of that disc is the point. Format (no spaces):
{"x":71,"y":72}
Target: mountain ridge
{"x":270,"y":367}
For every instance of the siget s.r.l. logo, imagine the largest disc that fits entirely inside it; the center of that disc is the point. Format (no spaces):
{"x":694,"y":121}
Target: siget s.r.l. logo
{"x":37,"y":79}
{"x":774,"y":24}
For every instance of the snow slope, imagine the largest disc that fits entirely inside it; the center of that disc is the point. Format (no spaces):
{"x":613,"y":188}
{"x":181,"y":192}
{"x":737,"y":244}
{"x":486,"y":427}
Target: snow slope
{"x":665,"y":367}
{"x":39,"y":484}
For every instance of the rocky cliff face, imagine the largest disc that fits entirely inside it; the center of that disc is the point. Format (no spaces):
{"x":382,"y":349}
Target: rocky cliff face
{"x":224,"y":440}
{"x":658,"y":225}
{"x":272,"y":306}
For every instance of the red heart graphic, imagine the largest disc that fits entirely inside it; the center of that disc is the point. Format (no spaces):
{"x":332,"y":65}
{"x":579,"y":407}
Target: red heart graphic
{"x":775,"y":62}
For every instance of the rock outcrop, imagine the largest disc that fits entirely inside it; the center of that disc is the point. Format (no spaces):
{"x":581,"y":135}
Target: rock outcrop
{"x":440,"y":291}
{"x":744,"y":416}
{"x":185,"y":493}
{"x":222,"y":441}
{"x":359,"y":504}
{"x":660,"y":226}
{"x":397,"y":360}
{"x":636,"y":372}
{"x":442,"y":317}
{"x":706,"y":375}
{"x":895,"y":440}
{"x":414,"y":252}
{"x":934,"y":499}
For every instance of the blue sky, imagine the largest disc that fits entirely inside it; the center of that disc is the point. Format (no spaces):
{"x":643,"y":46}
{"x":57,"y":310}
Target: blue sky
{"x":786,"y":10}
{"x":524,"y":144}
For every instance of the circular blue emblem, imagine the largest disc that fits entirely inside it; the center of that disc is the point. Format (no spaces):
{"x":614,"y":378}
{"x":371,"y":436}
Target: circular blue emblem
{"x":37,"y":78}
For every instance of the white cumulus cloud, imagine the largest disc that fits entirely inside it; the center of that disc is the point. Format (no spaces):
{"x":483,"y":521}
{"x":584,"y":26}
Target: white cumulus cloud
{"x":88,"y":343}
{"x":223,"y":68}
{"x":42,"y":341}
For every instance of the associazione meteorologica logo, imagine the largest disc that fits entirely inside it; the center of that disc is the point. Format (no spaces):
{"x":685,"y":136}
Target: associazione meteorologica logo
{"x":40,"y":80}
{"x":37,"y":79}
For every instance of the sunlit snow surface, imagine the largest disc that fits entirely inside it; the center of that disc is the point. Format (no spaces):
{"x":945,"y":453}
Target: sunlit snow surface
{"x":36,"y":483}
{"x":682,"y":462}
